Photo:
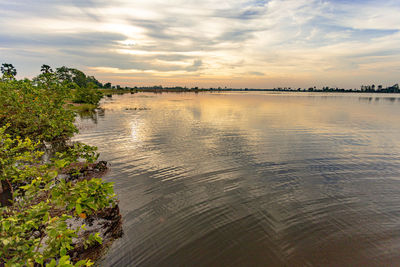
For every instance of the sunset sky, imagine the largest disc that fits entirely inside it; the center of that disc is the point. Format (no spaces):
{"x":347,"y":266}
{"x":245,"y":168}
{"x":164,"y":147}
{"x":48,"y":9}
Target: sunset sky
{"x":207,"y":43}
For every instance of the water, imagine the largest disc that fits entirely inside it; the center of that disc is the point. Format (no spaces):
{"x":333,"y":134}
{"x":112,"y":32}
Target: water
{"x":253,"y":179}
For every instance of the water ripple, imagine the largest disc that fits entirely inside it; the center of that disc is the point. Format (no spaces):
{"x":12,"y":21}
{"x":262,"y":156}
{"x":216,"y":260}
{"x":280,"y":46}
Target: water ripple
{"x":252,"y":179}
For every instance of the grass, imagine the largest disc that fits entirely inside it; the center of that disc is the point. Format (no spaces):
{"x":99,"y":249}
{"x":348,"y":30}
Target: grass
{"x":115,"y":91}
{"x":82,"y":108}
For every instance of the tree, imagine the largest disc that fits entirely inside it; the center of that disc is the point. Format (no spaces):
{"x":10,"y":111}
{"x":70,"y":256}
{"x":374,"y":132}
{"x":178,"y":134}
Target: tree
{"x":8,"y":70}
{"x":92,"y":79}
{"x":64,"y":74}
{"x":79,"y":77}
{"x":87,"y":94}
{"x":45,"y":69}
{"x":36,"y":111}
{"x":107,"y":85}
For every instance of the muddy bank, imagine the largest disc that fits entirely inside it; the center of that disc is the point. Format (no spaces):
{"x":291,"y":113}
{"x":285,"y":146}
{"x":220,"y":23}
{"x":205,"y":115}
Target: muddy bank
{"x":106,"y":222}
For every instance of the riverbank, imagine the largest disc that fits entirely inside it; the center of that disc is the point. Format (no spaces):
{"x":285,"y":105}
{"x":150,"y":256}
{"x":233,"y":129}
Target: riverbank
{"x":106,"y":223}
{"x":56,"y":210}
{"x":86,"y":108}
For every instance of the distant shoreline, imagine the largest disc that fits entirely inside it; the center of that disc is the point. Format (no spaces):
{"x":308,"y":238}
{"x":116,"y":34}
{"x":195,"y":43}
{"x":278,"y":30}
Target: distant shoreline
{"x":159,"y":90}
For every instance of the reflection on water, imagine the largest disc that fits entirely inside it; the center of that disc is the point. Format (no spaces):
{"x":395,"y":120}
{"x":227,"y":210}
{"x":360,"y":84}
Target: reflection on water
{"x":253,"y":179}
{"x":387,"y":98}
{"x":92,"y":114}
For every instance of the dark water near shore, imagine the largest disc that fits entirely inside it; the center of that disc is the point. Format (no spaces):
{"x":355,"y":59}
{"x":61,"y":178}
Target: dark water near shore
{"x":253,"y":179}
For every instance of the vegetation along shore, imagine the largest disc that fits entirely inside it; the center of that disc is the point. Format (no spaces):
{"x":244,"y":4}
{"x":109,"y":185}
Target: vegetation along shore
{"x":55,"y":209}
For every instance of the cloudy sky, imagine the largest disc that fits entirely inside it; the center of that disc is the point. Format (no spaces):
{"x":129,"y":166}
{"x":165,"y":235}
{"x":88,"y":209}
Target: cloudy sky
{"x":207,"y":43}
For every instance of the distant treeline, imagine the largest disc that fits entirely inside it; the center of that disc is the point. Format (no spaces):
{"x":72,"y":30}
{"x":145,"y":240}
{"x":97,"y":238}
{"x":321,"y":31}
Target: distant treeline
{"x":363,"y":88}
{"x":75,"y":76}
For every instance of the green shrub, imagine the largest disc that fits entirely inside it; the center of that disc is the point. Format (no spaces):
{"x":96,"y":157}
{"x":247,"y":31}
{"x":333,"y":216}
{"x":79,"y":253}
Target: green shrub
{"x":33,"y":228}
{"x":87,"y":95}
{"x":28,"y":232}
{"x":36,"y":111}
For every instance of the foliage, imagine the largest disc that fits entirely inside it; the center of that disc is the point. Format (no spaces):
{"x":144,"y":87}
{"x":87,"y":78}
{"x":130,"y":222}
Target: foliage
{"x":46,"y":69}
{"x":93,"y":239}
{"x":68,"y":75}
{"x":82,"y":108}
{"x":72,"y":155}
{"x":87,"y":95}
{"x":92,"y":79}
{"x":34,"y":228}
{"x":84,"y":197}
{"x":19,"y":160}
{"x":77,"y":151}
{"x":79,"y":77}
{"x":23,"y":235}
{"x":64,"y":74}
{"x":28,"y":231}
{"x":36,"y":111}
{"x":8,"y":71}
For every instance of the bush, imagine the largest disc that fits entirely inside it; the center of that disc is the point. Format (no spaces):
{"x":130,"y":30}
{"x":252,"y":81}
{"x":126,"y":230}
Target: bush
{"x":33,"y":221}
{"x":87,"y":95}
{"x":36,"y":111}
{"x":29,"y":231}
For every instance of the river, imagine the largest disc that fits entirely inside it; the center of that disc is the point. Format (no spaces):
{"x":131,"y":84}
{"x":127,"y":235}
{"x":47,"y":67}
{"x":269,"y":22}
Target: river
{"x":252,"y":178}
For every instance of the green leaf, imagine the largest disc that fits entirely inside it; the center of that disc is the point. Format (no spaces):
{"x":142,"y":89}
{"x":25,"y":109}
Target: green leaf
{"x":46,"y":216}
{"x":53,"y":263}
{"x":80,"y":263}
{"x":98,"y":238}
{"x":63,"y":251}
{"x":39,"y":260}
{"x":6,"y":242}
{"x":78,"y":209}
{"x":6,"y":225}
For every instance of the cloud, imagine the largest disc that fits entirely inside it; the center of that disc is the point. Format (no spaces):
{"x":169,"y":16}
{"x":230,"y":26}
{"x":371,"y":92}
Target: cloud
{"x":84,"y":39}
{"x":196,"y":66}
{"x":297,"y":42}
{"x":256,"y":73}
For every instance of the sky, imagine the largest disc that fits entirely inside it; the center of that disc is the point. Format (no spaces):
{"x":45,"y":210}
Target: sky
{"x":207,"y":43}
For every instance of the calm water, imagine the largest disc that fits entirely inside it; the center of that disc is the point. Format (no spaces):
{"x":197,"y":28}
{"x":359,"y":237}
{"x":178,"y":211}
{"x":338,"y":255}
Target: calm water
{"x":253,"y":179}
